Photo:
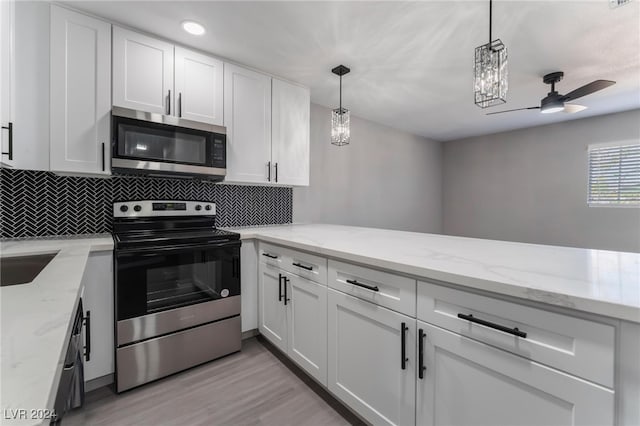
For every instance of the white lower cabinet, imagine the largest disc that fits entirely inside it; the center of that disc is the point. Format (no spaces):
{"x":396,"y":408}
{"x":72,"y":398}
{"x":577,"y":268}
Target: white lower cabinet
{"x":272,"y":317}
{"x":293,"y":312}
{"x":467,"y":382}
{"x":98,"y":306}
{"x":366,"y":367}
{"x":307,"y":325}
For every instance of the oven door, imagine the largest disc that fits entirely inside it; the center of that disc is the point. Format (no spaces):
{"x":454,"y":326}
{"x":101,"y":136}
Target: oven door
{"x":150,"y":281}
{"x":160,"y":147}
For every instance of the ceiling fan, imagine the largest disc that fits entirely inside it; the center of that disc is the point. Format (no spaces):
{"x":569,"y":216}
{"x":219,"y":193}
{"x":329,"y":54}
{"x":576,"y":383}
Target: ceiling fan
{"x":555,"y":102}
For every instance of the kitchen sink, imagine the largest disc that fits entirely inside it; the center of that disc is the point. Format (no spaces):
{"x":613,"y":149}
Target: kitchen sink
{"x":22,"y":269}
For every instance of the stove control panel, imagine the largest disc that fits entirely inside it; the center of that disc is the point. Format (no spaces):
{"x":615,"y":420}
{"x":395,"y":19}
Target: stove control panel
{"x":149,"y":208}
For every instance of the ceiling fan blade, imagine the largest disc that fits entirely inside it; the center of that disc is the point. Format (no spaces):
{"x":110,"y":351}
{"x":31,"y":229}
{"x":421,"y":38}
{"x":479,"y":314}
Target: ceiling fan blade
{"x":588,"y":89}
{"x":510,"y":110}
{"x":573,"y":108}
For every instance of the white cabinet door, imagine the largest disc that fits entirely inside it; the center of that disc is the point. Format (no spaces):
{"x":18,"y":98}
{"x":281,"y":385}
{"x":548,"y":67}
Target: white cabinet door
{"x":7,"y":80}
{"x":247,"y":116}
{"x":142,"y":72}
{"x":469,"y":383}
{"x":80,"y":91}
{"x":307,"y":316}
{"x":290,"y":133}
{"x":272,"y":315}
{"x":198,"y":86}
{"x":249,"y":284}
{"x":98,"y":301}
{"x":365,"y":359}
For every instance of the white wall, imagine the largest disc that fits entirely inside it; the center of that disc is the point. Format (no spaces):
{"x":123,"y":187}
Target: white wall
{"x":385,"y":178}
{"x":531,"y":185}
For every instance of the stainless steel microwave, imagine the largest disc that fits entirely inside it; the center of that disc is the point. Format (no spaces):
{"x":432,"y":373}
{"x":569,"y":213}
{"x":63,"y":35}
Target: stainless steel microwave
{"x":155,"y":144}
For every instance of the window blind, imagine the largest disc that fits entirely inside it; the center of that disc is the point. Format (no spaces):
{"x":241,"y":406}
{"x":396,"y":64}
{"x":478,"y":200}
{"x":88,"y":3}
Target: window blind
{"x":614,"y":174}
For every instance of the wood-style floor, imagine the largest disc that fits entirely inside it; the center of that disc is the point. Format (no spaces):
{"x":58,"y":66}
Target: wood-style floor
{"x":252,"y":387}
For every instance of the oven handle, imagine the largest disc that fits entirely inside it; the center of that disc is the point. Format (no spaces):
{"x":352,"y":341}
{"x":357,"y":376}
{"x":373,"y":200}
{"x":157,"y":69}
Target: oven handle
{"x":152,"y":251}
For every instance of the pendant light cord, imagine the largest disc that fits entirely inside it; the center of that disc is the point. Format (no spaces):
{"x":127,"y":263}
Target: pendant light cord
{"x":490,"y":16}
{"x":340,"y":94}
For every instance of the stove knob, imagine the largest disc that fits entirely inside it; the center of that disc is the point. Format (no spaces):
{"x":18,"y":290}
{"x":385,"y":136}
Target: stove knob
{"x":123,"y":208}
{"x":207,"y":207}
{"x":198,"y":207}
{"x":137,"y":207}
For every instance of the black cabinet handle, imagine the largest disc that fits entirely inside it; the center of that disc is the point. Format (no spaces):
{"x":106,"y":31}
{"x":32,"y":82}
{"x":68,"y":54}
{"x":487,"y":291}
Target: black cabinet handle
{"x":269,"y":171}
{"x":286,"y":299}
{"x":502,"y":328}
{"x":87,"y":326}
{"x":280,"y":277}
{"x":308,"y":268}
{"x":403,"y":345}
{"x":270,"y":256}
{"x":421,"y":367}
{"x":276,"y":165}
{"x":179,"y":104}
{"x":9,"y":127}
{"x":169,"y":102}
{"x":103,"y":156}
{"x":368,"y":287}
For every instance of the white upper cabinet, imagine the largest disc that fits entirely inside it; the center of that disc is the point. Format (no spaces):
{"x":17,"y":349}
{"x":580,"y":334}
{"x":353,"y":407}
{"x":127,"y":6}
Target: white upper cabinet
{"x":247,"y":116}
{"x":290,"y":133}
{"x":80,"y":102}
{"x":142,"y":72}
{"x":198,"y":86}
{"x":7,"y":79}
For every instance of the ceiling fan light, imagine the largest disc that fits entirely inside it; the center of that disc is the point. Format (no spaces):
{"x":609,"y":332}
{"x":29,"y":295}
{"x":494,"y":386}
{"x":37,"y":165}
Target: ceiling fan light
{"x":551,"y":109}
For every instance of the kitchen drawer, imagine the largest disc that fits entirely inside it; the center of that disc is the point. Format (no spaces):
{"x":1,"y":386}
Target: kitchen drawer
{"x":306,"y":265}
{"x":388,"y":290}
{"x":582,"y":347}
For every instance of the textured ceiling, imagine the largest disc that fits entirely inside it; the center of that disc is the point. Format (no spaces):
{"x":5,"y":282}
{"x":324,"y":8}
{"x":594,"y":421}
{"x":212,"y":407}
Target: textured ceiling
{"x":411,"y":62}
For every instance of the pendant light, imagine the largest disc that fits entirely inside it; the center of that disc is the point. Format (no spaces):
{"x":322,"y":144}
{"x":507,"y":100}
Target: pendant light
{"x":340,"y":131}
{"x":490,"y":71}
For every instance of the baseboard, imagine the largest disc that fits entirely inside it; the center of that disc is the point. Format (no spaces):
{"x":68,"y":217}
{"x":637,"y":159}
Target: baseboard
{"x":346,"y":412}
{"x":249,"y":334}
{"x":98,"y":382}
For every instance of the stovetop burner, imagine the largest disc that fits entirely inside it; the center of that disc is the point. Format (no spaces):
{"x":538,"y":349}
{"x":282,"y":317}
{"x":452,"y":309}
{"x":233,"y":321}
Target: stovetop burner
{"x":152,"y":223}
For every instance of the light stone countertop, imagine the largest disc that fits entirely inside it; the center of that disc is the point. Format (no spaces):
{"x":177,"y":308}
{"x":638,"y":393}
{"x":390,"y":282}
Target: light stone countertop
{"x":596,"y":281}
{"x":36,"y":321}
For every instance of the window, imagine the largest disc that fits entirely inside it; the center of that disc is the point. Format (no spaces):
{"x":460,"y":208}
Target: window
{"x":614,"y":175}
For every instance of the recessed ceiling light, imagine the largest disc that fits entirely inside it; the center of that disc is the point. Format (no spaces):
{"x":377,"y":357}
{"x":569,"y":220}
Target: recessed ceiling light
{"x":193,"y":28}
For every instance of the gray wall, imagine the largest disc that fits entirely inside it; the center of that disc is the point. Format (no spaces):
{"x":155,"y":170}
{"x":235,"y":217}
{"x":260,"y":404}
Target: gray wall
{"x":385,"y":178}
{"x":531,"y":185}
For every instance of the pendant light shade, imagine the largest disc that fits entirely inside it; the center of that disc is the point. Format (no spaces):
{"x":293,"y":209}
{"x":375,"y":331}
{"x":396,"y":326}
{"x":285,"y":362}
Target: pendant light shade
{"x":340,"y":121}
{"x":490,"y":71}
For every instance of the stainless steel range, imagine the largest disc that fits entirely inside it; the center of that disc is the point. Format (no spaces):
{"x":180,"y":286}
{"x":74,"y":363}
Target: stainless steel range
{"x":177,"y":289}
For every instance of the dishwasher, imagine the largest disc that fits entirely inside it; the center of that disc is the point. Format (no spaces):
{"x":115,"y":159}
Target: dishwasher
{"x":71,"y":388}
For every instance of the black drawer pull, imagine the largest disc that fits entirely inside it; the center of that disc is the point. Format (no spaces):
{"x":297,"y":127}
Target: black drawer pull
{"x":502,"y":328}
{"x":308,"y":268}
{"x":368,"y":287}
{"x":421,"y":367}
{"x":270,"y":256}
{"x":403,"y":348}
{"x":87,"y":346}
{"x":286,"y":298}
{"x":280,"y":277}
{"x":9,"y":153}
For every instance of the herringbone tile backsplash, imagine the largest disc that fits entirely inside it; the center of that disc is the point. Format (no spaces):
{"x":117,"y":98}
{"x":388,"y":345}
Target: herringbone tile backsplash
{"x":38,"y":203}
